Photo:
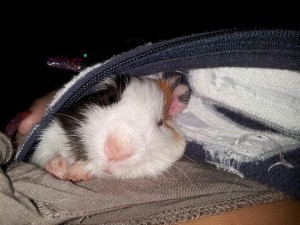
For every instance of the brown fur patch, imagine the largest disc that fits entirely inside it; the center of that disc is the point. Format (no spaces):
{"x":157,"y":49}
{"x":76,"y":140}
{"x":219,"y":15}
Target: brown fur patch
{"x":168,"y":98}
{"x":168,"y":94}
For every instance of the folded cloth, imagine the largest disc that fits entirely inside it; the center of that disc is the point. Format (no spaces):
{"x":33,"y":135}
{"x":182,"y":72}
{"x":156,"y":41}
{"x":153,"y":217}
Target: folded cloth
{"x":247,"y":121}
{"x":244,"y":110}
{"x":185,"y":192}
{"x":15,"y":208}
{"x":188,"y":190}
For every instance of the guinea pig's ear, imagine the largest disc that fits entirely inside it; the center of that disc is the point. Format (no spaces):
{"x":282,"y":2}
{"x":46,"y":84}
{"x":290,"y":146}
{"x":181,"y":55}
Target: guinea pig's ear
{"x":181,"y":94}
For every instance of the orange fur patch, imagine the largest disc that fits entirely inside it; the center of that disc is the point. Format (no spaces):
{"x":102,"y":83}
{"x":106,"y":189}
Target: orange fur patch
{"x":168,"y":94}
{"x":168,"y":98}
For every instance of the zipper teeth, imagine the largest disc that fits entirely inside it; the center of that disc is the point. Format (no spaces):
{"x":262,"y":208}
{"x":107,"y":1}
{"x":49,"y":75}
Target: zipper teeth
{"x":171,"y":44}
{"x":155,"y":50}
{"x":130,"y":60}
{"x":142,"y":55}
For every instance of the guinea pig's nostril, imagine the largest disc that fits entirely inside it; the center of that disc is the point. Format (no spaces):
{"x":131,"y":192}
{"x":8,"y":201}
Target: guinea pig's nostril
{"x":115,"y":150}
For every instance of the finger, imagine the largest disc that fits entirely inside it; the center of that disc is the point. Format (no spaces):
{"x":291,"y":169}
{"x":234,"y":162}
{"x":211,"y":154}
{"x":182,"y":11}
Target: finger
{"x":37,"y":111}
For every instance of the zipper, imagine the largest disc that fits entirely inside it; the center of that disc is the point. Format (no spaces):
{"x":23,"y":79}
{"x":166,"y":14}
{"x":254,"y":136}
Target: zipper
{"x":141,"y":53}
{"x":96,"y":78}
{"x":140,"y":56}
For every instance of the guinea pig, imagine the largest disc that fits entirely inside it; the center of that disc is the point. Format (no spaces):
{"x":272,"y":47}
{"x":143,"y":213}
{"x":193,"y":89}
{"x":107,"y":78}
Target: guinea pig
{"x":125,"y":130}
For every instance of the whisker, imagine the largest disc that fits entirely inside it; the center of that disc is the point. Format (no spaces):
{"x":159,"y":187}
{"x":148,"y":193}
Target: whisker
{"x":183,"y":72}
{"x":99,"y":99}
{"x":162,"y":175}
{"x":71,"y":117}
{"x":15,"y":142}
{"x":180,"y":170}
{"x":72,"y":135}
{"x":120,"y":87}
{"x":168,"y":175}
{"x":191,"y":160}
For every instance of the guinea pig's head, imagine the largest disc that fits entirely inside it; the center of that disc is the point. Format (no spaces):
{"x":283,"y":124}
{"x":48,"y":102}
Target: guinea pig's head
{"x":128,"y":129}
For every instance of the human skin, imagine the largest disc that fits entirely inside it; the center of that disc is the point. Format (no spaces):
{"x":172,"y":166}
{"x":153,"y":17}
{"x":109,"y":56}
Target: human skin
{"x":37,"y":109}
{"x":284,"y":212}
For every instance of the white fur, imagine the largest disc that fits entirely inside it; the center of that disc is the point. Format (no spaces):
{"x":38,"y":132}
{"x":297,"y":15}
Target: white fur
{"x":133,"y":120}
{"x":52,"y":143}
{"x":60,"y":93}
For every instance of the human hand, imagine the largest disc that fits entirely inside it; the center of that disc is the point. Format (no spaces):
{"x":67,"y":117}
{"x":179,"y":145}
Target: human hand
{"x":32,"y":116}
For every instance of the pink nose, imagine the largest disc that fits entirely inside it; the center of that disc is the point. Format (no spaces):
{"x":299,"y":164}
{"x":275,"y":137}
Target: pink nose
{"x":115,"y":150}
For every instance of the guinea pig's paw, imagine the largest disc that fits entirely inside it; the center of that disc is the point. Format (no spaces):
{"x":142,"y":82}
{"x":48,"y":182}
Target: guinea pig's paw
{"x":58,"y":167}
{"x":77,"y":172}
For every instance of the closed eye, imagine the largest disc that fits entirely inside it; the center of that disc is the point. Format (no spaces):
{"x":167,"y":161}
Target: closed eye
{"x":160,"y":123}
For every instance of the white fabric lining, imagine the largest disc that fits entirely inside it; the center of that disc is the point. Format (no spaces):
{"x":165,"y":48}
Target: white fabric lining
{"x":270,"y":96}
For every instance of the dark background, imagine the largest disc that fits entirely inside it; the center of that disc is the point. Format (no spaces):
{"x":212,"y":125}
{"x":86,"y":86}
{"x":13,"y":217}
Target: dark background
{"x":30,"y":39}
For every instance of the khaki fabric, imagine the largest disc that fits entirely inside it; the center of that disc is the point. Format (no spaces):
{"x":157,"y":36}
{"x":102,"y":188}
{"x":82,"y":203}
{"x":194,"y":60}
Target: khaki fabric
{"x":15,"y":208}
{"x":28,"y":195}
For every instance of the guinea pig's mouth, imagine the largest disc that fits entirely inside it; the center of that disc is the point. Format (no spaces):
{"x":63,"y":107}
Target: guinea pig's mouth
{"x":120,"y":169}
{"x":114,"y":168}
{"x":107,"y":171}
